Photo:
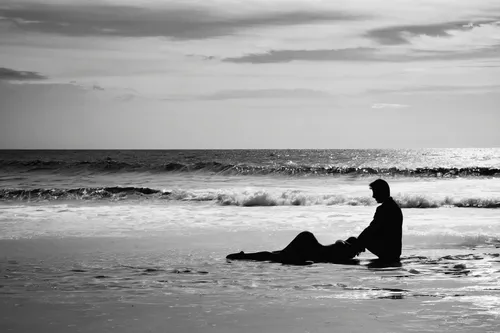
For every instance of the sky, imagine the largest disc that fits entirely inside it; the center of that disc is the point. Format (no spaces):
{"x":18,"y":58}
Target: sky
{"x":241,"y":74}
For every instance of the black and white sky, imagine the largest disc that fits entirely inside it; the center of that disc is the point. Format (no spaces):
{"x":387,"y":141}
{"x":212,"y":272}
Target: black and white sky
{"x":166,"y":74}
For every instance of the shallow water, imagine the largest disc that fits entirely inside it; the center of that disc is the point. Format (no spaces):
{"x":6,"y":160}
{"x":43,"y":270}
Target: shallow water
{"x":460,"y":288}
{"x":174,"y":254}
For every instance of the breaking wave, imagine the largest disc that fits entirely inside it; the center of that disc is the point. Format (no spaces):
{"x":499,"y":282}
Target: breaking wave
{"x":109,"y":165}
{"x":229,"y":198}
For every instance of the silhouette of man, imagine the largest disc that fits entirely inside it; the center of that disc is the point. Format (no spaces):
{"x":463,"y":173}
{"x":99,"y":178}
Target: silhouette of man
{"x":382,"y":237}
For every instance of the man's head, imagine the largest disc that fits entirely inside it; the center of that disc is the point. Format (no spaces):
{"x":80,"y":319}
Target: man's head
{"x":381,"y":190}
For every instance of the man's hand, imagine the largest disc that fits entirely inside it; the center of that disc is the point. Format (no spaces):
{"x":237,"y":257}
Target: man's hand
{"x":354,"y":244}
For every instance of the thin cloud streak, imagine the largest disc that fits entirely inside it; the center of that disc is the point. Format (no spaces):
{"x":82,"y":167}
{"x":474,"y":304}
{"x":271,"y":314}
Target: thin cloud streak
{"x":267,"y":94}
{"x":7,"y":74}
{"x":466,"y":89}
{"x":253,"y":94}
{"x":395,"y":35}
{"x":277,"y":56}
{"x":362,"y":54}
{"x":388,"y":106}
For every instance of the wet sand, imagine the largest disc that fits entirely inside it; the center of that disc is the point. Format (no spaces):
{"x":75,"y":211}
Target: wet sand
{"x":171,"y":284}
{"x":190,"y":314}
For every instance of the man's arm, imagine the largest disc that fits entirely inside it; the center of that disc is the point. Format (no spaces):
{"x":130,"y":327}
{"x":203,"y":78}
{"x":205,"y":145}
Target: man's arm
{"x":370,"y":232}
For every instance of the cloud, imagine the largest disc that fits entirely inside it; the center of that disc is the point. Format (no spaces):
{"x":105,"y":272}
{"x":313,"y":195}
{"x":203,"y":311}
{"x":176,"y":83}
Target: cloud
{"x":398,"y":34}
{"x":179,"y":22}
{"x":7,"y":74}
{"x":258,"y":94}
{"x":388,"y":106}
{"x":445,"y":41}
{"x":366,"y":54}
{"x":474,"y":38}
{"x":395,"y":35}
{"x":85,"y":86}
{"x":267,"y":94}
{"x":118,"y":93}
{"x":276,"y":56}
{"x":440,"y":89}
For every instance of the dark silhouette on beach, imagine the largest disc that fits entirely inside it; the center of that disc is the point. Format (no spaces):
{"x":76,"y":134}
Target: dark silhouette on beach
{"x":382,"y":237}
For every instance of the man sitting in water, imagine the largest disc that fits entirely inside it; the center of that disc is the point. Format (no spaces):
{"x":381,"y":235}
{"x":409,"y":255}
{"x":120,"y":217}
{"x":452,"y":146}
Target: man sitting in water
{"x":382,"y":237}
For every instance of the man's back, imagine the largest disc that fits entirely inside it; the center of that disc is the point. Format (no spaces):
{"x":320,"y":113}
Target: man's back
{"x":383,"y":236}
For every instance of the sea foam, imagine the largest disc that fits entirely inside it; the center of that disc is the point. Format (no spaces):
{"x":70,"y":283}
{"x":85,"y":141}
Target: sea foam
{"x":244,"y":198}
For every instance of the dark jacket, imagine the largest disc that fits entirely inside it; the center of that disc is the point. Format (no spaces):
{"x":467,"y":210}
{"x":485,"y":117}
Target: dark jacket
{"x":383,"y":236}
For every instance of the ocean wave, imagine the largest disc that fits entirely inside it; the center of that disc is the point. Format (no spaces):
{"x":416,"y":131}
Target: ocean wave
{"x":259,"y":198}
{"x":85,"y":193}
{"x":297,"y":198}
{"x":289,"y":169}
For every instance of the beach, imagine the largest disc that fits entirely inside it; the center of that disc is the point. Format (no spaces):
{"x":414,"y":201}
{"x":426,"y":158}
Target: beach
{"x":110,"y":249}
{"x":153,"y":284}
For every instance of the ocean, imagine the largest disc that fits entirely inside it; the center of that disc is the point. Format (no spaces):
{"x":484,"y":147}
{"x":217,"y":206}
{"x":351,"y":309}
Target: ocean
{"x":136,"y":240}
